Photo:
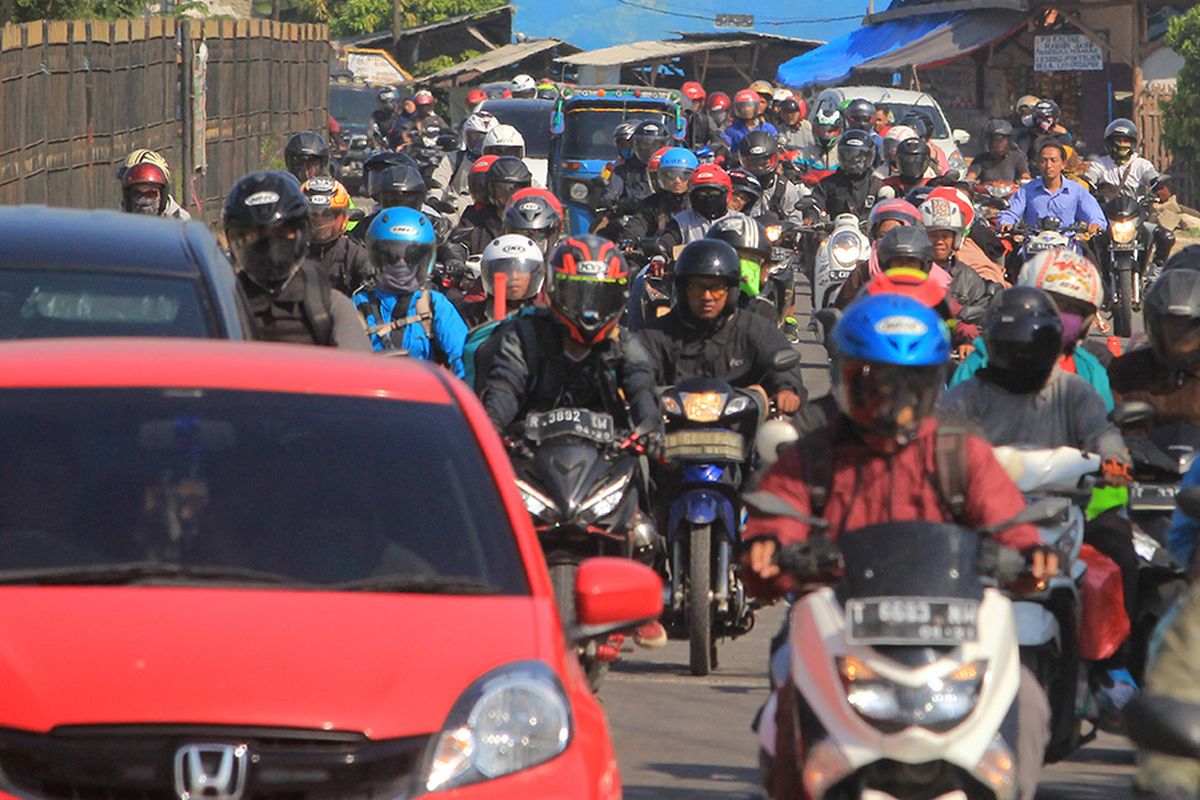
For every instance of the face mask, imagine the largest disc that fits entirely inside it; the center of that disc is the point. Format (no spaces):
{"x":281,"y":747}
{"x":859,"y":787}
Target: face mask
{"x":1045,"y":124}
{"x":709,"y":205}
{"x":626,"y":153}
{"x":1027,"y":120}
{"x":145,"y":205}
{"x":1075,"y":328}
{"x":270,"y":261}
{"x":398,"y":278}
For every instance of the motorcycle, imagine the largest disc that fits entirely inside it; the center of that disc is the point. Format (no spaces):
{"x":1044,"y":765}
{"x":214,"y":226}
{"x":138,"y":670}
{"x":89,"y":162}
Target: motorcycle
{"x":992,"y":197}
{"x":580,"y":483}
{"x":651,"y":292}
{"x":1161,"y":456}
{"x":846,"y":249}
{"x":903,"y":677}
{"x":710,"y":432}
{"x":1050,"y":234}
{"x":1124,"y":253}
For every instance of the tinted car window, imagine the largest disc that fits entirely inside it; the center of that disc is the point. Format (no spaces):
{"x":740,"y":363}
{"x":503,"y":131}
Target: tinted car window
{"x":532,"y":120}
{"x":313,"y":491}
{"x":588,"y":132}
{"x":37,"y":304}
{"x":899,"y":110}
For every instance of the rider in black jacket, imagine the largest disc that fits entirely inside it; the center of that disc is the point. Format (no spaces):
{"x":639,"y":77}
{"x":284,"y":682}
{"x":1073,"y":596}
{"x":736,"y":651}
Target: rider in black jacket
{"x":854,"y":187}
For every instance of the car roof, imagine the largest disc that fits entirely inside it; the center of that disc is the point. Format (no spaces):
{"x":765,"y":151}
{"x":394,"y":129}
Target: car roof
{"x":878,"y":94}
{"x":40,"y":237}
{"x":210,"y":364}
{"x":519,"y":103}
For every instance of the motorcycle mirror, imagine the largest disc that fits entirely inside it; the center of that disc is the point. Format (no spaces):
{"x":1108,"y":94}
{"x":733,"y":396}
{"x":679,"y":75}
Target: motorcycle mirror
{"x":357,"y":215}
{"x":1189,"y":501}
{"x":785,"y":360}
{"x":1134,"y":413}
{"x":1165,"y":725}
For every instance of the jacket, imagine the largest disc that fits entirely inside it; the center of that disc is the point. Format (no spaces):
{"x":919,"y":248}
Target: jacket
{"x":738,"y":130}
{"x":869,"y":487}
{"x":1087,"y":366}
{"x":970,"y":291}
{"x":476,"y":229}
{"x":971,"y":254}
{"x":780,"y":197}
{"x":531,"y":373}
{"x":344,"y":262}
{"x":628,"y":183}
{"x":1138,"y":375}
{"x":841,"y":194}
{"x":378,"y":307}
{"x":305,"y":311}
{"x":736,"y":348}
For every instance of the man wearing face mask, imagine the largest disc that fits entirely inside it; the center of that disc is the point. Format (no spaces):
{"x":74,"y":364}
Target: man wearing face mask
{"x":854,"y":187}
{"x":709,"y":190}
{"x":629,"y":183}
{"x":759,"y":155}
{"x":267,"y":226}
{"x":146,"y":186}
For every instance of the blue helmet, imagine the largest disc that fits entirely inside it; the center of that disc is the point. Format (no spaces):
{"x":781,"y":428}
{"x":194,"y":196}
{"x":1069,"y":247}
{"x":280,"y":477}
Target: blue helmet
{"x":401,"y":247}
{"x":889,"y":357}
{"x":678,"y":158}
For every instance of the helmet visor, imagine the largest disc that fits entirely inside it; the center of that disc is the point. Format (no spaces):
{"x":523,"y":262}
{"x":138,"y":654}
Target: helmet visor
{"x":388,"y":255}
{"x":888,"y":399}
{"x":269,"y":256}
{"x":746,"y":109}
{"x":674,"y":179}
{"x":1176,"y":340}
{"x":646,"y":146}
{"x":522,"y":277}
{"x":855,"y":160}
{"x":393,"y":199}
{"x":327,"y":223}
{"x":589,"y":303}
{"x":473,"y":141}
{"x":760,"y":165}
{"x":500,"y":150}
{"x":305,"y":166}
{"x":501,"y":192}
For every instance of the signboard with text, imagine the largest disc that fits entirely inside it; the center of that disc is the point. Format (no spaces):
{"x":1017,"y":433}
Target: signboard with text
{"x":1066,"y":52}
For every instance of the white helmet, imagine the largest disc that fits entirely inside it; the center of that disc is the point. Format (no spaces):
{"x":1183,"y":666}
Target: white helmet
{"x":521,"y":261}
{"x":1063,"y":272}
{"x":504,"y":140}
{"x":898,"y":133}
{"x":948,"y":209}
{"x":475,"y":129}
{"x":779,"y":95}
{"x":523,"y":83}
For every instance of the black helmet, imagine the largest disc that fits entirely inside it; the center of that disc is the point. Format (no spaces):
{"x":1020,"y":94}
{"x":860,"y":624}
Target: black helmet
{"x":534,"y":216}
{"x":505,"y":176}
{"x":856,"y":153}
{"x":742,"y":233}
{"x":1120,"y":129}
{"x":307,"y":155}
{"x":1048,"y":111}
{"x":906,"y":241}
{"x":1172,"y":311}
{"x":920,"y":122}
{"x":1023,"y":333}
{"x":918,"y":195}
{"x":912,"y":158}
{"x":258,"y":208}
{"x":759,"y":153}
{"x":648,"y":138}
{"x":997,"y":127}
{"x":709,"y":258}
{"x":380,"y":160}
{"x":744,"y":182}
{"x":860,"y":115}
{"x":400,"y":185}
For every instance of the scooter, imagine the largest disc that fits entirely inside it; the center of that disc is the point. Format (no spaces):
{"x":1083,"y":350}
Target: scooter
{"x":1162,"y":455}
{"x":846,"y":249}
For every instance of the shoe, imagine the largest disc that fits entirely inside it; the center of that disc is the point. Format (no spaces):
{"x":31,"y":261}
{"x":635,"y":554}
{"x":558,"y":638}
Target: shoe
{"x":1111,"y":698}
{"x":652,"y":636}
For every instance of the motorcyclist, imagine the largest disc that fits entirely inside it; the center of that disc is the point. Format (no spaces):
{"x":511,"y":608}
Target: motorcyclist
{"x":386,"y":115}
{"x":904,"y":245}
{"x":1022,"y":116}
{"x":759,"y":154}
{"x":718,"y":107}
{"x":795,"y":131}
{"x":709,"y":190}
{"x":748,"y":238}
{"x":1052,"y":195}
{"x":505,"y":176}
{"x":524,"y":86}
{"x":707,"y":334}
{"x":342,"y":259}
{"x":675,"y":169}
{"x":426,"y":116}
{"x":629,"y":185}
{"x":860,"y":116}
{"x":747,"y":118}
{"x":306,"y":155}
{"x":267,"y":226}
{"x":451,"y":174}
{"x":1045,"y":128}
{"x":746,"y":190}
{"x":144,"y":156}
{"x":474,"y":101}
{"x":401,"y":310}
{"x":821,"y":155}
{"x":948,"y":216}
{"x":921,"y":122}
{"x":523,"y":266}
{"x":145,"y":189}
{"x":535,"y":214}
{"x":913,"y":168}
{"x":1002,"y":162}
{"x":623,"y":140}
{"x":866,"y":456}
{"x":854,"y":187}
{"x":504,"y":140}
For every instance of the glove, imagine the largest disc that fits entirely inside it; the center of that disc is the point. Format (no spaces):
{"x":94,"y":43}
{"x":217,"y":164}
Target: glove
{"x":1115,"y":470}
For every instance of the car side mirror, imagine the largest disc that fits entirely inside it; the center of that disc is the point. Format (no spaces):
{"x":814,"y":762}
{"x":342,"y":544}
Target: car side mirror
{"x":1163,"y":725}
{"x":960,"y":136}
{"x":614,"y":594}
{"x":1189,"y":501}
{"x":785,"y":360}
{"x":1133,"y":414}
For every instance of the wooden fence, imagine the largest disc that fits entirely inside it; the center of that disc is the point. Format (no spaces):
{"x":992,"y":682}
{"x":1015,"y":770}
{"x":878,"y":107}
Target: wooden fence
{"x":1150,"y":125}
{"x":217,"y":98}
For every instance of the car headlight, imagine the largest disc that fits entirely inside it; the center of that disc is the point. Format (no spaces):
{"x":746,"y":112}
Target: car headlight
{"x":579,"y":192}
{"x":846,"y":248}
{"x":703,"y":406}
{"x":536,"y":503}
{"x":937,"y":705}
{"x":738,"y":404}
{"x":513,"y":718}
{"x":605,"y":500}
{"x":1123,"y":231}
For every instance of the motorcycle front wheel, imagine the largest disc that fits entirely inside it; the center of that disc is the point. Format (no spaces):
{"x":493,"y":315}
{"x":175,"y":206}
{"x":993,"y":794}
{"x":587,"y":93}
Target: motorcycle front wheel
{"x":699,"y":606}
{"x":1123,"y":302}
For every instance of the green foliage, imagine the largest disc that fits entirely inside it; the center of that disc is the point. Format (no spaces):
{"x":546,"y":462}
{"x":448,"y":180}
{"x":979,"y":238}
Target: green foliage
{"x":1181,"y":118}
{"x":32,"y":10}
{"x":432,"y":65}
{"x":349,"y":17}
{"x":422,"y":12}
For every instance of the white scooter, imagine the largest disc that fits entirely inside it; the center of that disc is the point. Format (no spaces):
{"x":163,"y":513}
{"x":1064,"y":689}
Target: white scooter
{"x":845,"y":249}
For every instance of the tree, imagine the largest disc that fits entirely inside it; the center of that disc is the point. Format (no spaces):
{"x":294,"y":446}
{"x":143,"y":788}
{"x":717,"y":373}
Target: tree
{"x":32,"y":10}
{"x":1181,"y":117}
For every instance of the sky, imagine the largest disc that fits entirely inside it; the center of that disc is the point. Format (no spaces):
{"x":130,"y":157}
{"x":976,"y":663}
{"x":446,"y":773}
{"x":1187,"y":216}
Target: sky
{"x":599,"y":23}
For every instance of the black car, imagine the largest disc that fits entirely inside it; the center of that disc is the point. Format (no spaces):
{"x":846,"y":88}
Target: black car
{"x":351,"y":104}
{"x":71,"y":273}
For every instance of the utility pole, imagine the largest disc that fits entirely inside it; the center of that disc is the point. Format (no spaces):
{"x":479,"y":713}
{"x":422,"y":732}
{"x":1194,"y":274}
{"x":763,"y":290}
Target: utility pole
{"x":1138,"y":47}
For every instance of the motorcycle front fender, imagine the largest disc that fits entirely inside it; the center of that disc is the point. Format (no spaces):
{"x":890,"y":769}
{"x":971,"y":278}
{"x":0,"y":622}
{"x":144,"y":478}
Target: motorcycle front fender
{"x":701,"y":507}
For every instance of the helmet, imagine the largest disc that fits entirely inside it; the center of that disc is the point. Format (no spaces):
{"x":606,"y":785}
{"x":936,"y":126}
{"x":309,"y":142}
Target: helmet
{"x":649,"y":137}
{"x":860,"y":115}
{"x":710,"y":258}
{"x":1045,"y":114}
{"x":997,"y":127}
{"x":1173,"y":312}
{"x":306,"y":155}
{"x":144,"y":156}
{"x":623,"y":139}
{"x":918,"y":195}
{"x":652,"y":165}
{"x":912,"y":283}
{"x":709,"y":191}
{"x":477,"y":179}
{"x":892,"y":139}
{"x":779,"y":95}
{"x":856,"y":153}
{"x":827,"y":125}
{"x":144,"y":189}
{"x":745,"y":183}
{"x":1066,"y":273}
{"x":718,"y":101}
{"x":328,"y":208}
{"x":506,"y":175}
{"x":401,"y":248}
{"x":475,"y":97}
{"x":423,"y":98}
{"x":266,"y":223}
{"x":589,"y":286}
{"x":1120,"y":129}
{"x":524,"y":85}
{"x":1026,"y":101}
{"x":745,"y":104}
{"x":759,"y":154}
{"x":888,"y":365}
{"x":400,"y":185}
{"x":1024,"y":338}
{"x":535,"y":214}
{"x":379,"y":161}
{"x":763,"y":89}
{"x":504,"y":140}
{"x":522,"y":262}
{"x":912,"y":158}
{"x":907,"y":241}
{"x":676,"y":166}
{"x":475,"y":130}
{"x":743,"y":233}
{"x":948,"y":209}
{"x":387,"y":96}
{"x":694,"y":92}
{"x":897,"y":210}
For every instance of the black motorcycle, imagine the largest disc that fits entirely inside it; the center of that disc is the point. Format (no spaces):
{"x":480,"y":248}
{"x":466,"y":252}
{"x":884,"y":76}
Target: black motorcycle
{"x":1124,"y":251}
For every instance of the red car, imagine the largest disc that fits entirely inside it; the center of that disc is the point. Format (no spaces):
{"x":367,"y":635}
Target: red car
{"x":266,"y":571}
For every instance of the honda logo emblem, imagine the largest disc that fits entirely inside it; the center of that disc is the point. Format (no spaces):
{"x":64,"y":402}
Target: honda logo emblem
{"x":210,"y":772}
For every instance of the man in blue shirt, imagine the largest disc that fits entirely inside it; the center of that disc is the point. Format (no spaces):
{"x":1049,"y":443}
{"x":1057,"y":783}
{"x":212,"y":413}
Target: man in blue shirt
{"x":748,"y":118}
{"x":1052,"y":195}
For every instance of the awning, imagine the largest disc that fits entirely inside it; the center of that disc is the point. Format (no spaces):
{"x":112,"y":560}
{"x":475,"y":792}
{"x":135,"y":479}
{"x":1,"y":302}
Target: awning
{"x":499,"y":58}
{"x":924,"y":40}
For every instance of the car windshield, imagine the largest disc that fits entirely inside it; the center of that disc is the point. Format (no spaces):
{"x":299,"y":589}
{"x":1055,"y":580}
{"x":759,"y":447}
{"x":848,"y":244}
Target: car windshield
{"x":39,"y":304}
{"x":351,"y":105}
{"x":237,"y":488}
{"x":532,"y":120}
{"x":899,"y":110}
{"x":588,"y":132}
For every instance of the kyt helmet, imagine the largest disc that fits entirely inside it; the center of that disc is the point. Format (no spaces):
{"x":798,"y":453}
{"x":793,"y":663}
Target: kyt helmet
{"x":1064,"y":273}
{"x":694,"y":92}
{"x":827,"y":124}
{"x":1046,"y":114}
{"x":475,"y":130}
{"x":524,"y":86}
{"x":675,"y":168}
{"x":908,"y":282}
{"x":377,"y":162}
{"x":144,"y":156}
{"x":400,"y":185}
{"x":307,"y":155}
{"x":266,"y":224}
{"x":423,"y":99}
{"x":709,"y":258}
{"x":145,"y":189}
{"x":948,"y":209}
{"x":522,"y":263}
{"x":745,"y":104}
{"x":718,"y":101}
{"x":535,"y":214}
{"x":743,"y":233}
{"x":997,"y":127}
{"x":589,"y":286}
{"x":328,"y":208}
{"x":745,"y":184}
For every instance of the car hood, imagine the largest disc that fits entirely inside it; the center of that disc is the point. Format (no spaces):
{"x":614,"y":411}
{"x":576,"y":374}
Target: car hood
{"x":384,"y":665}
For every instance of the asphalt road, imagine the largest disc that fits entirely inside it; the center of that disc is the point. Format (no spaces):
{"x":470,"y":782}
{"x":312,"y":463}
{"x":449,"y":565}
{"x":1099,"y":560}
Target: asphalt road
{"x":682,"y":737}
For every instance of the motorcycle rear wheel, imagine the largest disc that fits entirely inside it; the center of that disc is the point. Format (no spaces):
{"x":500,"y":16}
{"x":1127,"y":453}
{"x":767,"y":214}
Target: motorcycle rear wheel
{"x":699,"y":605}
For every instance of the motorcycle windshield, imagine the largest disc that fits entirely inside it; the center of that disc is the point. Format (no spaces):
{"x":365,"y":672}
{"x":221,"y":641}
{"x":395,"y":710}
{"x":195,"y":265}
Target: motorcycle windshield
{"x":910,"y":559}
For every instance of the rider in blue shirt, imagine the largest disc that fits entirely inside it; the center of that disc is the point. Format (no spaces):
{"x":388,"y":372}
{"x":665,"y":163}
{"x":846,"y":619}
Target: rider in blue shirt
{"x":1053,"y":195}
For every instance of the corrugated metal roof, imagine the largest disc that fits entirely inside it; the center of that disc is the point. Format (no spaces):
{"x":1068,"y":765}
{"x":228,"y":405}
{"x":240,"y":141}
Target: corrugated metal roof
{"x":692,"y":36}
{"x":498,"y":58}
{"x":442,"y":23}
{"x":639,"y":52}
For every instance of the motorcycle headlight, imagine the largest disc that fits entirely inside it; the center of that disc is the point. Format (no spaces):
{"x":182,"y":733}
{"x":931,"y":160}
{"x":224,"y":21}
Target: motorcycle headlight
{"x":536,"y":503}
{"x":846,"y":248}
{"x":703,"y":406}
{"x":774,"y":232}
{"x":671,"y":405}
{"x":738,"y":404}
{"x":938,"y":705}
{"x":513,"y":718}
{"x":605,"y":500}
{"x":578,"y":192}
{"x":1123,"y":231}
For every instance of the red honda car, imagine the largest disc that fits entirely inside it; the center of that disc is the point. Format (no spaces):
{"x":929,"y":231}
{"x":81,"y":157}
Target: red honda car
{"x":267,"y":571}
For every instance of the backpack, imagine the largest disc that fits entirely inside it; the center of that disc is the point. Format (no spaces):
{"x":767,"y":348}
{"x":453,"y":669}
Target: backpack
{"x":318,"y":304}
{"x":394,"y":328}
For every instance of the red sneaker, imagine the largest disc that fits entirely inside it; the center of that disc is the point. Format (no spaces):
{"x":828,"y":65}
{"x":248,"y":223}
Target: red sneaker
{"x":652,"y":635}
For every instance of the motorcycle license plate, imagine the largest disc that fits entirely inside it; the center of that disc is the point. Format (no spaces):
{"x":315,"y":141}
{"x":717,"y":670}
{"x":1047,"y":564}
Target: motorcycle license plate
{"x":838,"y":275}
{"x":780,"y":255}
{"x":569,"y":422}
{"x":911,"y":621}
{"x":1152,"y":497}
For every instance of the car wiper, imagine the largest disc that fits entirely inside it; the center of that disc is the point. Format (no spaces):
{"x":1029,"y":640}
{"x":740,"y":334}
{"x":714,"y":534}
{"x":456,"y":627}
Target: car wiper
{"x":137,"y":571}
{"x":418,"y":584}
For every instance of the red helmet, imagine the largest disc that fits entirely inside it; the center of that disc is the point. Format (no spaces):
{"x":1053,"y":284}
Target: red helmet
{"x":476,"y":96}
{"x":144,"y":174}
{"x":694,"y":92}
{"x":652,"y":164}
{"x":477,"y":178}
{"x":707,"y":203}
{"x":747,"y":100}
{"x":718,"y":101}
{"x":589,"y":287}
{"x":909,"y":282}
{"x":423,"y":98}
{"x":710,"y":175}
{"x":803,"y":105}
